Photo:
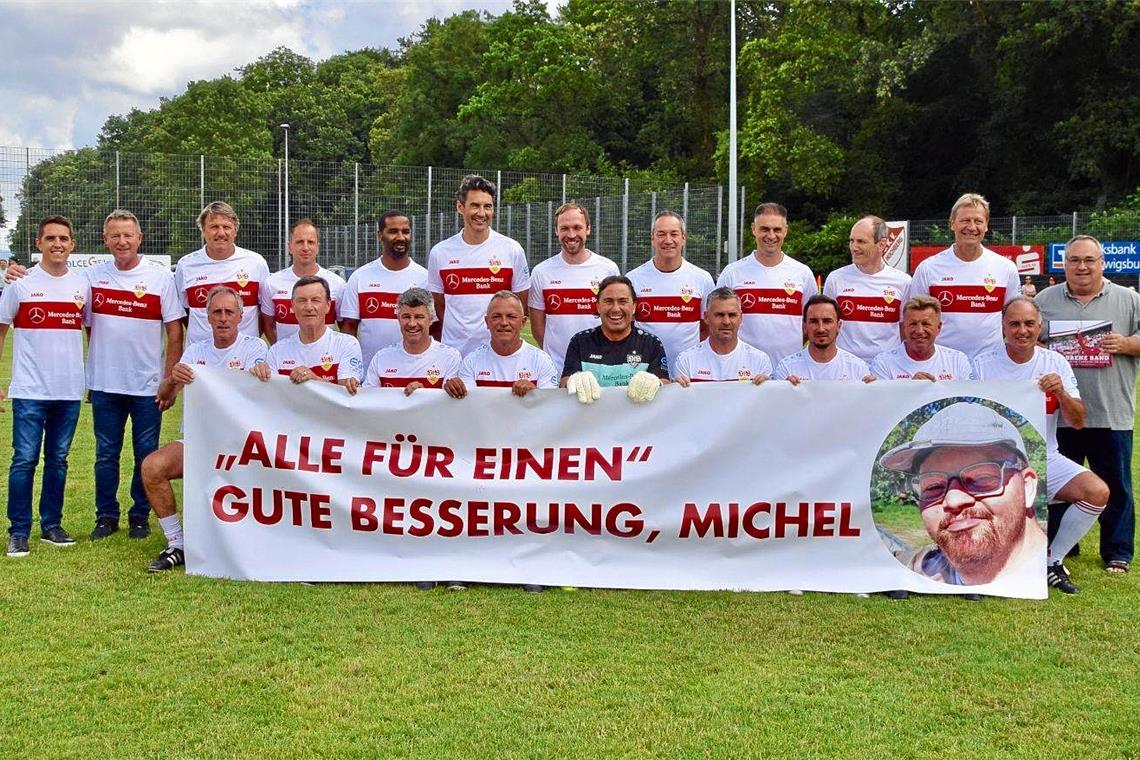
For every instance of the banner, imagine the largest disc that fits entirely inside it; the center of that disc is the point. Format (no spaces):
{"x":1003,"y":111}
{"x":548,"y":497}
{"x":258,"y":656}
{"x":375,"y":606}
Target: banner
{"x":1028,"y":258}
{"x":87,"y":260}
{"x":716,"y":486}
{"x":1120,"y":257}
{"x":898,"y":245}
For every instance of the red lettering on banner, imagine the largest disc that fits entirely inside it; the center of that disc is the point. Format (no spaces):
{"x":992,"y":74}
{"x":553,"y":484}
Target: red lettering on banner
{"x":507,"y":516}
{"x":668,"y":309}
{"x":436,"y":460}
{"x":255,"y":451}
{"x":476,"y":281}
{"x":569,"y":301}
{"x":375,"y":305}
{"x":868,"y":309}
{"x":565,"y":463}
{"x":770,"y":301}
{"x":196,"y":294}
{"x":969,"y":299}
{"x":124,"y":303}
{"x":363,"y":511}
{"x":228,"y":511}
{"x":231,"y":504}
{"x":816,"y":519}
{"x":48,"y":315}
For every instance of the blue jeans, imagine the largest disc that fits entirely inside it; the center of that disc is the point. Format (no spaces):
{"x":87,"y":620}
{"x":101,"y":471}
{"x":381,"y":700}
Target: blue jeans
{"x":36,"y":424}
{"x":1109,"y":455}
{"x":109,"y":413}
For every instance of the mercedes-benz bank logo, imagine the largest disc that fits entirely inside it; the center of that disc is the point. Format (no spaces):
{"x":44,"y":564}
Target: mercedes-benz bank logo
{"x":282,"y":311}
{"x":848,"y":308}
{"x":554,"y":302}
{"x":945,"y":298}
{"x":98,"y":299}
{"x":748,"y":300}
{"x":644,"y":310}
{"x":36,"y":315}
{"x":453,"y":281}
{"x":372,"y":306}
{"x":200,"y":296}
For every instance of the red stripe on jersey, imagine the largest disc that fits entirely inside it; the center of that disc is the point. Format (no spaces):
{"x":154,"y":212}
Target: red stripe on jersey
{"x":124,"y":303}
{"x":283,"y":312}
{"x":49,"y":315}
{"x":377,"y":305}
{"x":969,"y":299}
{"x":668,"y":309}
{"x":494,"y":383}
{"x":404,"y":382}
{"x":868,"y":309}
{"x":573,"y":301}
{"x":770,"y":301}
{"x":196,"y":294}
{"x":475,"y":282}
{"x":319,"y":371}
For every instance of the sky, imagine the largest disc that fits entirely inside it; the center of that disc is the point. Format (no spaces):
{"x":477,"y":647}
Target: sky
{"x":67,"y":66}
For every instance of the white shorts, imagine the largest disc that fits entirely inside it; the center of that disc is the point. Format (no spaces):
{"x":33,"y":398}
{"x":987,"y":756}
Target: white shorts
{"x":1059,"y":470}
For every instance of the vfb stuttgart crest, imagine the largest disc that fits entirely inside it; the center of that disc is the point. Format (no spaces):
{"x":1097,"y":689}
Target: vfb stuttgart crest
{"x":79,"y":299}
{"x":242,"y":278}
{"x":594,"y":283}
{"x":789,"y":287}
{"x":990,"y":283}
{"x":633,"y":359}
{"x":743,"y":374}
{"x":686,"y":293}
{"x":326,"y":362}
{"x":433,"y":375}
{"x":140,"y":289}
{"x":889,"y":296}
{"x":494,"y":264}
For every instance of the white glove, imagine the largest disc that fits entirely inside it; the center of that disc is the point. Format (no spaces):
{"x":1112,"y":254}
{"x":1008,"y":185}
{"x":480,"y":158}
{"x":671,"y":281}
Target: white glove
{"x":643,"y":387}
{"x":585,"y":385}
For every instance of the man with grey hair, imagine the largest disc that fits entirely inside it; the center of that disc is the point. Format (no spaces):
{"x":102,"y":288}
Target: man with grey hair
{"x":221,"y":262}
{"x":723,"y":357}
{"x":1106,"y":377}
{"x":226,"y":347}
{"x":971,"y":282}
{"x":868,"y":291}
{"x":506,"y":361}
{"x":418,"y":360}
{"x":133,"y":304}
{"x":918,"y":356}
{"x":969,"y":473}
{"x":466,"y":269}
{"x":671,"y":291}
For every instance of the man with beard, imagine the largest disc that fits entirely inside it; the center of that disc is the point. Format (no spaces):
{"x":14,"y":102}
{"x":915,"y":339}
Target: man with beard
{"x":563,"y":288}
{"x":970,"y":475}
{"x":368,"y":302}
{"x":1020,"y":358}
{"x":277,"y":297}
{"x":918,"y":357}
{"x":822,"y":359}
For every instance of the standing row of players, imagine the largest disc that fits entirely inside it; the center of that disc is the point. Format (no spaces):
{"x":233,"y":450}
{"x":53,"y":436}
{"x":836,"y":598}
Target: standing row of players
{"x":774,"y":296}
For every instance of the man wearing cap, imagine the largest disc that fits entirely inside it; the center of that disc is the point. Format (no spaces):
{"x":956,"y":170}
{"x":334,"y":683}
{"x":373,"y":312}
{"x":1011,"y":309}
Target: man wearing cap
{"x":971,"y":477}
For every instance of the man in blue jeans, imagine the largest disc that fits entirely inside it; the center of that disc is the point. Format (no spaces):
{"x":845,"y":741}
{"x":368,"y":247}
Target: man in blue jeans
{"x":46,"y":308}
{"x":133,"y":303}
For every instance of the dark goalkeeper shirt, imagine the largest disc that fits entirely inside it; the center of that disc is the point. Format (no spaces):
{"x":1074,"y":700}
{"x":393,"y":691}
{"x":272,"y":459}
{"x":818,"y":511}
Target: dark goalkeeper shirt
{"x":614,"y":363}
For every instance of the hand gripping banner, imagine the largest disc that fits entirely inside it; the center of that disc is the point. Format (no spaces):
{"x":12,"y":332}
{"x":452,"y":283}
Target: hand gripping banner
{"x":846,"y":487}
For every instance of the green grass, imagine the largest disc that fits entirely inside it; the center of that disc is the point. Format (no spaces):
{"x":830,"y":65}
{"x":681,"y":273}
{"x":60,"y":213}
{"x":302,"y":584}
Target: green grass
{"x":105,"y":660}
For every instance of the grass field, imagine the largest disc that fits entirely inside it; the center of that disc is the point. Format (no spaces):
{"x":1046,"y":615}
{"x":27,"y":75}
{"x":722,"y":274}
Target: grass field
{"x":105,"y":660}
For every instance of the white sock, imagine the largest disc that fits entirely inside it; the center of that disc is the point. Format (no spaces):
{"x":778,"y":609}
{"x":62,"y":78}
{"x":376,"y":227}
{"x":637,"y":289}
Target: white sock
{"x":1076,"y":522}
{"x":172,"y":529}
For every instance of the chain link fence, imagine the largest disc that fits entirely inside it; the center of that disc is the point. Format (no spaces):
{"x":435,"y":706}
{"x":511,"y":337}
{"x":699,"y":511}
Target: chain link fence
{"x":345,"y":199}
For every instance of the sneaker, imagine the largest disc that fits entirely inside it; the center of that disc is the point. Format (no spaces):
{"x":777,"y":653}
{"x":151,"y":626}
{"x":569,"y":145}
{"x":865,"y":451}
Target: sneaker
{"x":170,"y":558}
{"x":972,"y":597}
{"x":1059,"y":578}
{"x":57,"y":536}
{"x":104,"y":526}
{"x":456,"y":585}
{"x":898,"y":593}
{"x":140,"y":528}
{"x":425,"y":585}
{"x":18,"y":546}
{"x":532,"y":588}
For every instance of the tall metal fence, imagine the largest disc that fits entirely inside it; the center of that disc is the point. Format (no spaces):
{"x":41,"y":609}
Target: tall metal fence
{"x":345,"y":199}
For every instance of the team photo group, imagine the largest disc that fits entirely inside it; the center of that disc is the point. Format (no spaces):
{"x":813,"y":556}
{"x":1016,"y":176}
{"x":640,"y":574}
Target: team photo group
{"x":458,"y":324}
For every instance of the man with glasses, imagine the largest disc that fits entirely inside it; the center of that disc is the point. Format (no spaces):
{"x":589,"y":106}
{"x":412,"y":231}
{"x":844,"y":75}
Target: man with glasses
{"x":1020,"y":358}
{"x":1108,"y":390}
{"x":971,"y":477}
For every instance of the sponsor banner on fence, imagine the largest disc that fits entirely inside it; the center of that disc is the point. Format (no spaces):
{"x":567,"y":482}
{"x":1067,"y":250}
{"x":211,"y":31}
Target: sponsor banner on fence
{"x":87,"y":260}
{"x":1120,"y":257}
{"x":1028,"y":258}
{"x":716,"y":486}
{"x":898,"y":245}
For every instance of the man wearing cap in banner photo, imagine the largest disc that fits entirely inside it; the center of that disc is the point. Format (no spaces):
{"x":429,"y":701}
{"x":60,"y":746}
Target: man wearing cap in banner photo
{"x":969,"y":471}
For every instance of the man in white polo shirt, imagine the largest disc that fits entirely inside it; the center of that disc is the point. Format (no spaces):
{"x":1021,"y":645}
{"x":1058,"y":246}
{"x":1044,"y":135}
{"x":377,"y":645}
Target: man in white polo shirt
{"x":418,"y":360}
{"x":1020,"y":358}
{"x":316,"y":352}
{"x":868,"y":291}
{"x":971,"y":282}
{"x":772,"y":287}
{"x":670,"y":290}
{"x":220,"y":262}
{"x":822,"y":359}
{"x":564,"y":288}
{"x":918,"y":357}
{"x":226,"y":347}
{"x":368,"y":307}
{"x":46,"y":308}
{"x":277,"y":296}
{"x":466,"y":269}
{"x":133,"y":304}
{"x":723,"y":357}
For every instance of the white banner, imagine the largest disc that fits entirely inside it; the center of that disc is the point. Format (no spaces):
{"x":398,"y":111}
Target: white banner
{"x":717,"y":486}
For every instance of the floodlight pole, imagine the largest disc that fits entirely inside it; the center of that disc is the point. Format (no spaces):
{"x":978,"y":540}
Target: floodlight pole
{"x":287,"y":220}
{"x":733,"y":229}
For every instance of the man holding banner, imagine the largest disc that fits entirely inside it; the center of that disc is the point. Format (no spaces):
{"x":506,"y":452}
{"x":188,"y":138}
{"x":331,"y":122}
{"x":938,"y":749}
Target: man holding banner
{"x":822,"y":359}
{"x":918,"y":357}
{"x":418,"y":360}
{"x":723,"y":357}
